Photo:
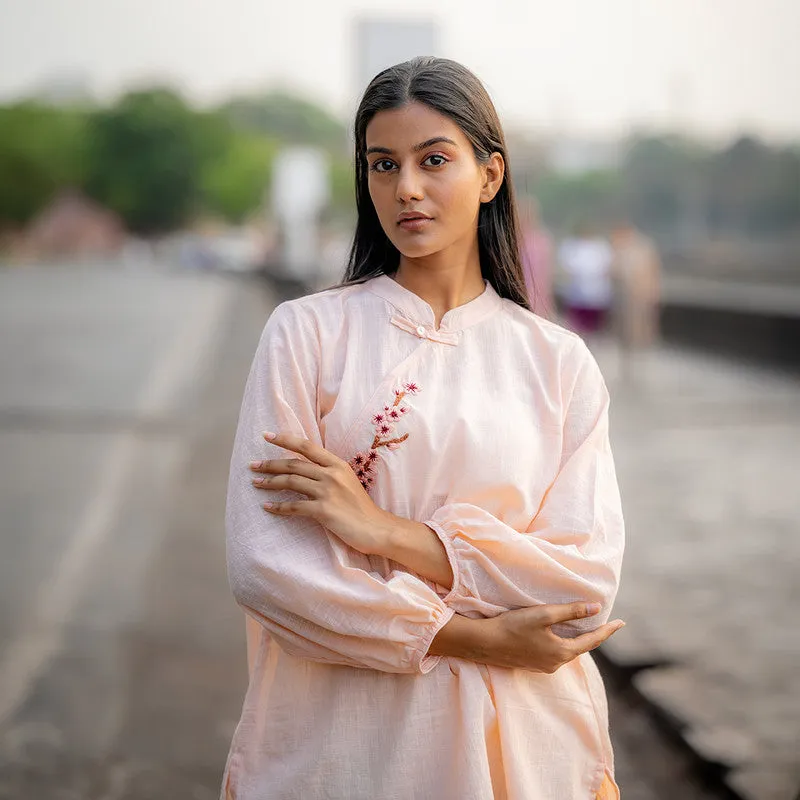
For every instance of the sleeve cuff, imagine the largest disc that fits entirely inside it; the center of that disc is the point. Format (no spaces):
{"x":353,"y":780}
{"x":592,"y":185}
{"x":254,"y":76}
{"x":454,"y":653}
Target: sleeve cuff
{"x":427,"y":663}
{"x":452,"y":558}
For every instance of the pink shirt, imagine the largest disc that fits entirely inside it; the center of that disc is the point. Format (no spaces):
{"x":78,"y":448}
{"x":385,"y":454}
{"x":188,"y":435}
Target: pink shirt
{"x":493,"y":430}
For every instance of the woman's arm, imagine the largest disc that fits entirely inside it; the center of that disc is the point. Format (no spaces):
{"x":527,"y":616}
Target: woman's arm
{"x":521,"y":639}
{"x":572,"y":550}
{"x":417,"y":547}
{"x":316,"y":596}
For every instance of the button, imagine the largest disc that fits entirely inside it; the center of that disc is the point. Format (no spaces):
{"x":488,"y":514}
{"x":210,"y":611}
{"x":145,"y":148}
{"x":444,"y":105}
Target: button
{"x":421,"y":332}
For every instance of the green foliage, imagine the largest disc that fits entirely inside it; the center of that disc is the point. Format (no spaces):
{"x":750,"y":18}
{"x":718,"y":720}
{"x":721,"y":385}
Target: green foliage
{"x":234,"y":180}
{"x":569,"y":200}
{"x":145,"y":160}
{"x":158,"y":162}
{"x":672,"y":186}
{"x":754,"y":188}
{"x":287,"y":119}
{"x":40,"y":151}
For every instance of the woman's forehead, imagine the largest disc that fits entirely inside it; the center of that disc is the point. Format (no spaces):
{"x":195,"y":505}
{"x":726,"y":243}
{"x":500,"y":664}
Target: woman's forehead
{"x":410,"y":125}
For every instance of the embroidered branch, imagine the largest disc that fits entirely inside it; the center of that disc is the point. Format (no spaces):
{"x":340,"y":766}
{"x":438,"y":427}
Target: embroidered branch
{"x":384,"y":422}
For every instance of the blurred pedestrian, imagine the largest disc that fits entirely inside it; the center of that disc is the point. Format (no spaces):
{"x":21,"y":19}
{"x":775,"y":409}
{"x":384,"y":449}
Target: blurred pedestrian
{"x":585,"y":263}
{"x":443,"y":538}
{"x":636,"y":270}
{"x":536,"y":246}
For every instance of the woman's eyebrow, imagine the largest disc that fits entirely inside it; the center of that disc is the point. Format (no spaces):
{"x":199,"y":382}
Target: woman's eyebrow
{"x":416,"y":148}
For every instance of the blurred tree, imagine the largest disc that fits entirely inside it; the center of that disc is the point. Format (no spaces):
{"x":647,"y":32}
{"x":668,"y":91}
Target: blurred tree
{"x":156,"y":162}
{"x":145,"y":156}
{"x":40,"y":153}
{"x":567,"y":200}
{"x":235,"y":179}
{"x":755,"y":188}
{"x":287,"y":119}
{"x":660,"y":181}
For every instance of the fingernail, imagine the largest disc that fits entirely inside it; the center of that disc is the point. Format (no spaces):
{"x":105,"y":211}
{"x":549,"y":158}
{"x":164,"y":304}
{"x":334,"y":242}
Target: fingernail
{"x":268,"y":506}
{"x":592,"y":608}
{"x":255,"y":464}
{"x":269,"y":435}
{"x":619,"y":623}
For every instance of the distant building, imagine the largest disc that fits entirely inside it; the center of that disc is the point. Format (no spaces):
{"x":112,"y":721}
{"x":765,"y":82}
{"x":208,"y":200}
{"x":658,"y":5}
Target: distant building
{"x":382,"y":42}
{"x":72,"y":226}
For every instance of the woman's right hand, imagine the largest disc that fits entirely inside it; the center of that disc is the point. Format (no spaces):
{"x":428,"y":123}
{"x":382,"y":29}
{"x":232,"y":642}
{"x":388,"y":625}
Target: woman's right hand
{"x":522,"y":639}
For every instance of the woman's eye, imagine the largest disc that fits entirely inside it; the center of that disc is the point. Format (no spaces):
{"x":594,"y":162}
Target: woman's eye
{"x":435,"y":160}
{"x":382,"y":165}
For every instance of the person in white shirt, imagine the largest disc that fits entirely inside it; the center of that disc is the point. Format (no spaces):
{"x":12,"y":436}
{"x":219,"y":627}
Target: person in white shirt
{"x":585,"y":261}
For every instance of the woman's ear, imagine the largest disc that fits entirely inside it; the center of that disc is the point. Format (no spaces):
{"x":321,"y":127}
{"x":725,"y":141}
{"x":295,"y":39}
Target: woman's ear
{"x":493,"y":172}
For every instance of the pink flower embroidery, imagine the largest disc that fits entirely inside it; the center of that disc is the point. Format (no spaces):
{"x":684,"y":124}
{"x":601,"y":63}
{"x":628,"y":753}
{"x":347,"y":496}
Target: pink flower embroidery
{"x":384,"y":428}
{"x":363,"y":464}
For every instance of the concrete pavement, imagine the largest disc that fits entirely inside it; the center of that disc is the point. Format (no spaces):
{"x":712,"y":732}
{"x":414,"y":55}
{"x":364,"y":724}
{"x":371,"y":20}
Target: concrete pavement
{"x":707,"y":458}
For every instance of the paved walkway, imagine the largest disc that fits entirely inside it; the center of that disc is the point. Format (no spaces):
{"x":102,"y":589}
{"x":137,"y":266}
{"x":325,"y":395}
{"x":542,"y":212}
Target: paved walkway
{"x":707,"y":457}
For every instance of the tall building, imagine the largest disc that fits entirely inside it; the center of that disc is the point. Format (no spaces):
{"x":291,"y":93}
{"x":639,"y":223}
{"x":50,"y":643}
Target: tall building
{"x":381,"y":42}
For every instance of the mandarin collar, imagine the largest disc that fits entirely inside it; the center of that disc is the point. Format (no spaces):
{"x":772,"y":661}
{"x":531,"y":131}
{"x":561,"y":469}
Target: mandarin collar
{"x":419,"y":312}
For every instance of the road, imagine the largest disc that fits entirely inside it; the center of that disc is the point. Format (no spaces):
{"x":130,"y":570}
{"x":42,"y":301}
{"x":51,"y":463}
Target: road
{"x":122,"y":665}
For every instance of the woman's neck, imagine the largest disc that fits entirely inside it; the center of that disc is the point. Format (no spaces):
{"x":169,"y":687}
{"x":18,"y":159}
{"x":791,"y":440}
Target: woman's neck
{"x":442,"y":282}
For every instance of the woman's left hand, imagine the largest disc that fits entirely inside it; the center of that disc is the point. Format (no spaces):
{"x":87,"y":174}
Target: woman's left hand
{"x":333,"y":494}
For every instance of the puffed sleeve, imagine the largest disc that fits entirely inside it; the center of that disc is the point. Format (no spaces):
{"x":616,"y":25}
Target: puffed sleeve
{"x":572,"y":550}
{"x":289,"y":573}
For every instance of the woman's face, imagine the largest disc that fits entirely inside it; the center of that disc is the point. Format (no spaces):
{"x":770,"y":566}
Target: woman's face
{"x":424,"y":180}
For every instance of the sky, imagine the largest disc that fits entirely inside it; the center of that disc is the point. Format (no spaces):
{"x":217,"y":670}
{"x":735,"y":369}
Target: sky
{"x":589,"y":67}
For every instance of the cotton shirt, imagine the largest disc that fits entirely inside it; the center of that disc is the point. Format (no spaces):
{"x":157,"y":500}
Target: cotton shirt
{"x":492,"y":430}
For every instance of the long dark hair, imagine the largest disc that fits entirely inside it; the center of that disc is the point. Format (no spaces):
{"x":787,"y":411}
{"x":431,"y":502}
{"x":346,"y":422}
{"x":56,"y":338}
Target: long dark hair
{"x":452,"y":90}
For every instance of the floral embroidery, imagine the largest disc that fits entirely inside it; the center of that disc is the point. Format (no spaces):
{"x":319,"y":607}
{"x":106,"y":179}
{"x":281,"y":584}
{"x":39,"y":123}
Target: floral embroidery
{"x":384,"y":422}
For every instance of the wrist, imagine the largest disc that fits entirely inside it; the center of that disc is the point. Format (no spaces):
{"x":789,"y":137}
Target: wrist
{"x":463,"y":637}
{"x":385,"y":529}
{"x":390,"y":531}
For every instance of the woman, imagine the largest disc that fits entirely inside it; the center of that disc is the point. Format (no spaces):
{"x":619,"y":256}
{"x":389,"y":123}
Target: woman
{"x":585,"y":260}
{"x":432,"y":491}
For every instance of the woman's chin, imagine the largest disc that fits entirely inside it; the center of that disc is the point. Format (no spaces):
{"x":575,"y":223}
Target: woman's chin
{"x":416,"y":249}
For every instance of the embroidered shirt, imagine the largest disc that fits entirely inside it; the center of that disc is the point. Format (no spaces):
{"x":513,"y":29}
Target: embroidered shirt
{"x":497,"y":438}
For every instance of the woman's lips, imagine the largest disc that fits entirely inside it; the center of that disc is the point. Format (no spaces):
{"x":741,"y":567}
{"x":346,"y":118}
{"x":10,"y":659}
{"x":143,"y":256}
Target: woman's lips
{"x":415,"y":223}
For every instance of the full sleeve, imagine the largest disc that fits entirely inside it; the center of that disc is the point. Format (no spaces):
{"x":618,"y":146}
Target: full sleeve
{"x":572,"y":549}
{"x":289,"y":573}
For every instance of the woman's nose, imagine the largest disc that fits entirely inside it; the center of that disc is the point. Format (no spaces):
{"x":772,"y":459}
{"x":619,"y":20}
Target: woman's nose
{"x":409,"y":186}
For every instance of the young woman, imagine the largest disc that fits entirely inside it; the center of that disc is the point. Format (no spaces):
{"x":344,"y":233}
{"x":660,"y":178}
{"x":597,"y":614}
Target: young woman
{"x":423,"y":520}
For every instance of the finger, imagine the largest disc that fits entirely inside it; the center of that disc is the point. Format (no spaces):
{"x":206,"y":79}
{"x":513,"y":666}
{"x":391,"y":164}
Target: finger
{"x":588,"y":641}
{"x":291,"y":508}
{"x":562,"y":612}
{"x":287,"y":466}
{"x":305,"y":447}
{"x":295,"y":483}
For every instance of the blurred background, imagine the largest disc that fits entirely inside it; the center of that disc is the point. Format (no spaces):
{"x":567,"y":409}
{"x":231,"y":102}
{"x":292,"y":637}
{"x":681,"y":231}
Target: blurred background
{"x":170,"y":171}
